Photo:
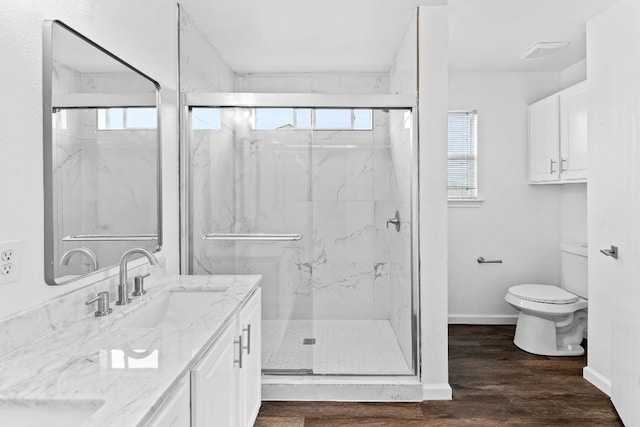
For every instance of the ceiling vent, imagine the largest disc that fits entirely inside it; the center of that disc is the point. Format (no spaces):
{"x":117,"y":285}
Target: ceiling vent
{"x":543,"y":50}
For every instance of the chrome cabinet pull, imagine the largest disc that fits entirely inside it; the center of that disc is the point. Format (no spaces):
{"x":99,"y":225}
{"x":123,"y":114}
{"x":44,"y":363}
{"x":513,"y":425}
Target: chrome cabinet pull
{"x":239,"y":359}
{"x":551,"y":163}
{"x":247,"y":329}
{"x":613,"y":252}
{"x":563,"y":165}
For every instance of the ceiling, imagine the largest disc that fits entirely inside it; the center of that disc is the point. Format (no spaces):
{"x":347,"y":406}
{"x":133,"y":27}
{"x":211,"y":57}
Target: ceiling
{"x":492,"y":35}
{"x":299,"y":35}
{"x":364,"y":35}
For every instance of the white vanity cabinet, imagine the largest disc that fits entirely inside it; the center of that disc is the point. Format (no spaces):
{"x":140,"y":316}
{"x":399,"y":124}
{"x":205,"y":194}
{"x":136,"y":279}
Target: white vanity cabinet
{"x":176,"y":412}
{"x":250,"y":384}
{"x":226,"y":382}
{"x":558,"y":137}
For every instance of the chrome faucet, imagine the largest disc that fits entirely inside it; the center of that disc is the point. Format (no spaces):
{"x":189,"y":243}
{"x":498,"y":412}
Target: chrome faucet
{"x":123,"y":287}
{"x":93,"y":261}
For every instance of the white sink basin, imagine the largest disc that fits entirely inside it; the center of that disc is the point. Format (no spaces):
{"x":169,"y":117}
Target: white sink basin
{"x":173,"y":309}
{"x":50,"y":413}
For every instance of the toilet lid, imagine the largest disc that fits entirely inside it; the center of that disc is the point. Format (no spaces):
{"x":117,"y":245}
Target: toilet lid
{"x":543,"y":293}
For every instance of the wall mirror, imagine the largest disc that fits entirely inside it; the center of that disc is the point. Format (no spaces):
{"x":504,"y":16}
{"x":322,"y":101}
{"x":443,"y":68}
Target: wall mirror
{"x":101,"y":156}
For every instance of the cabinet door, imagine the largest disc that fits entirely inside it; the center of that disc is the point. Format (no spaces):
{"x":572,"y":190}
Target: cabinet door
{"x":573,"y":133}
{"x":213,"y":384}
{"x":544,"y":140}
{"x":250,"y":397}
{"x":176,"y":411}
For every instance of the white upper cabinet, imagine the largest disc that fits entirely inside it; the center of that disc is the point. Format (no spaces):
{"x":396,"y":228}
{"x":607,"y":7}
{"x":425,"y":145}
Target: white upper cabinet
{"x":544,"y":140}
{"x":558,"y":137}
{"x":573,"y":133}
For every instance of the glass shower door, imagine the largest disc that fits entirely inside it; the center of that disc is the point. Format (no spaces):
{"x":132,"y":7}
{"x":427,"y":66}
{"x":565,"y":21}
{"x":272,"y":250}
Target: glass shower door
{"x":362,"y":242}
{"x":251,"y":213}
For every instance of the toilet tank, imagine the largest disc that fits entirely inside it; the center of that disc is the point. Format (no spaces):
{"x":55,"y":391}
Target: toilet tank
{"x":573,"y":268}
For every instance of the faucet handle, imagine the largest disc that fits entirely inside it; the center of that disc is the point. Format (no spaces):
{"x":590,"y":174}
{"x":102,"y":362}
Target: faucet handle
{"x":139,"y":285}
{"x":103,"y":304}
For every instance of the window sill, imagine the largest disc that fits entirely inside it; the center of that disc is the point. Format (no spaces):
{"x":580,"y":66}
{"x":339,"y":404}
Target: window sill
{"x":465,"y":203}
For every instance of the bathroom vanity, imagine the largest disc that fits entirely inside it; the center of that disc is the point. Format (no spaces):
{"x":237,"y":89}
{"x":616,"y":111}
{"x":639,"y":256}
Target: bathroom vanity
{"x":187,"y":353}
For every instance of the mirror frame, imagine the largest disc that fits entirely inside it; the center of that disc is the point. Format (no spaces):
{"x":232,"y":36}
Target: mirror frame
{"x":47,"y":109}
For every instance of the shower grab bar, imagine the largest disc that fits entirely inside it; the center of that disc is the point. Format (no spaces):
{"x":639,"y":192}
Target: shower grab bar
{"x":481,"y":260}
{"x":267,"y":237}
{"x":109,"y":237}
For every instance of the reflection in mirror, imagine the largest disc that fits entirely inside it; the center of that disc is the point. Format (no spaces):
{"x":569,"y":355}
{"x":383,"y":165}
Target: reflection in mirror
{"x":101,"y":156}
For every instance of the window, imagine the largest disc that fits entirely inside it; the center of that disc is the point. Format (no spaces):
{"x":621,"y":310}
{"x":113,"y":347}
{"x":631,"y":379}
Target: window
{"x":462,"y":158}
{"x":205,"y":119}
{"x":133,"y":118}
{"x":313,"y":118}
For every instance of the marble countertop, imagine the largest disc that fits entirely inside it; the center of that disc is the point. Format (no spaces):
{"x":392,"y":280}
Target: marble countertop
{"x":132,"y":370}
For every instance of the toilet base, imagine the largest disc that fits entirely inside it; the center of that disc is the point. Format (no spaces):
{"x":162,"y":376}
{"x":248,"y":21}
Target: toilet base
{"x":548,"y":337}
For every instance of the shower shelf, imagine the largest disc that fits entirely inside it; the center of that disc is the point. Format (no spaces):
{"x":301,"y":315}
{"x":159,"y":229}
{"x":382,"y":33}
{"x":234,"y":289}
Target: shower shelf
{"x":267,"y":237}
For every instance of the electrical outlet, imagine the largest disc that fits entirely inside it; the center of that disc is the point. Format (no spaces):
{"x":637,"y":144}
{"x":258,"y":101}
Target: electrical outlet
{"x":6,"y":269}
{"x":7,"y":255}
{"x":10,"y":261}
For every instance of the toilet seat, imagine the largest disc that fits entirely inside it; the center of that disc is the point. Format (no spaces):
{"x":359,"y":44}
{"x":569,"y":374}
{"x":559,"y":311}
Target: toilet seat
{"x":543,"y":294}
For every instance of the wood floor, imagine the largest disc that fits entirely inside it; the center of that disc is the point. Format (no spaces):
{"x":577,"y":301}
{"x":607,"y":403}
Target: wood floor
{"x":494,"y":384}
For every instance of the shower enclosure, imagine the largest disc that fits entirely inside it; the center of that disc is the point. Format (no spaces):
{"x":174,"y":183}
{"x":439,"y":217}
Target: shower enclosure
{"x":317,"y":193}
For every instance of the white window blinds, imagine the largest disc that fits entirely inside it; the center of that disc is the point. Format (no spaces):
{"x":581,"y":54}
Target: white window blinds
{"x":462,"y":158}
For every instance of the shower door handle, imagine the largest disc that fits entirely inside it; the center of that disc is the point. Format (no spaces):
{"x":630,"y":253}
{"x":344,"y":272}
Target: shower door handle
{"x":395,"y":221}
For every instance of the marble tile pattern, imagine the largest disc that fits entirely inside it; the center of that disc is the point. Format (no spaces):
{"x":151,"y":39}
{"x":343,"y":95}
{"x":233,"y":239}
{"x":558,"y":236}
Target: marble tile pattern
{"x":23,"y":328}
{"x":201,"y":66}
{"x":83,"y":360}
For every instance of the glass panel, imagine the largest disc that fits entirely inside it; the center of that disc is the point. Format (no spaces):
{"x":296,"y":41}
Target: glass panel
{"x":273,"y":118}
{"x":333,"y":118}
{"x":249,"y":181}
{"x":362,"y":279}
{"x":205,"y":118}
{"x":338,"y":301}
{"x":141,"y":118}
{"x":110,"y":119}
{"x":362,"y":119}
{"x":303,"y":118}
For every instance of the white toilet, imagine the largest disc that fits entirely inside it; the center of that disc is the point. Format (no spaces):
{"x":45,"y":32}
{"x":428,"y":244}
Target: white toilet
{"x":553,"y":319}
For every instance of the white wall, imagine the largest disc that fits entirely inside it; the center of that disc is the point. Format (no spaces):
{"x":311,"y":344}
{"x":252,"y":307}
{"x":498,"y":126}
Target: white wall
{"x":573,"y":74}
{"x":573,"y":213}
{"x":517,"y":222}
{"x":117,"y":26}
{"x":433,"y":65}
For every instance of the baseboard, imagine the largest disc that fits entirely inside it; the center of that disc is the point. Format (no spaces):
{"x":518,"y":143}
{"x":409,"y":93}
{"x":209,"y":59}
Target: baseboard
{"x":483,"y":319}
{"x":436,"y":392}
{"x":597,"y":379}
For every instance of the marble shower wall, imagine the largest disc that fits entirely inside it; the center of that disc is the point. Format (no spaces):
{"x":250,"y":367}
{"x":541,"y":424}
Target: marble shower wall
{"x":201,"y":66}
{"x":402,"y":80}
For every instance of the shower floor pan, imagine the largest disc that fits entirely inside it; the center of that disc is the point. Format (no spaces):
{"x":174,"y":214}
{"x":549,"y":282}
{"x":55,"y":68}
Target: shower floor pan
{"x":341,"y":347}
